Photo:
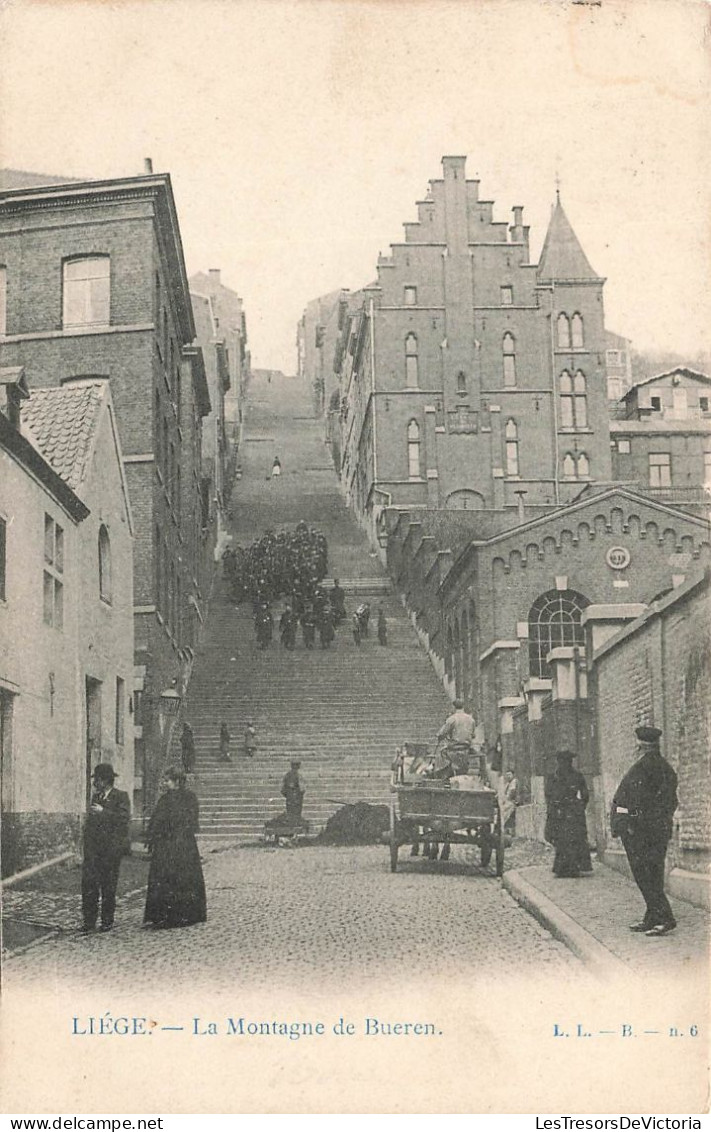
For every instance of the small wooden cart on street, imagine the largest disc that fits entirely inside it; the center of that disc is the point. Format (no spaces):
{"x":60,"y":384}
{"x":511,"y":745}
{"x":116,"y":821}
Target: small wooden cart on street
{"x":431,"y":813}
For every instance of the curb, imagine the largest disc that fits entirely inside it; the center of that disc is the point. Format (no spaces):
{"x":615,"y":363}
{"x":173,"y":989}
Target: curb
{"x":601,"y":962}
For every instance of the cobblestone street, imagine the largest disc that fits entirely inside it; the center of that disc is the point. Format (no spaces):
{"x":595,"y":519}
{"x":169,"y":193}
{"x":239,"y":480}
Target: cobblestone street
{"x":322,"y":915}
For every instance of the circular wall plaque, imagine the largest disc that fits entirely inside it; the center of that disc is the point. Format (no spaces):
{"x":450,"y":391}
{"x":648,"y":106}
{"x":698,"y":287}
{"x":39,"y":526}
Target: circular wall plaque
{"x":618,"y":557}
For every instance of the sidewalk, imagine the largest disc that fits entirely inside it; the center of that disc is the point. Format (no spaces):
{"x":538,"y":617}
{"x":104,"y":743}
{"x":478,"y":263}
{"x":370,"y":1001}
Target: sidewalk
{"x":591,"y":916}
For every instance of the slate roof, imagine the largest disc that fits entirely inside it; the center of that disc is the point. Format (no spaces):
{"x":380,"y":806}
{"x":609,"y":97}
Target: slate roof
{"x":562,"y":257}
{"x":693,"y":374}
{"x":60,"y":423}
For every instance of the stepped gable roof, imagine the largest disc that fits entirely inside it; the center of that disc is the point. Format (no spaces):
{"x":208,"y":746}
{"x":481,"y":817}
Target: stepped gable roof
{"x":61,"y":425}
{"x":562,"y":257}
{"x":691,"y":373}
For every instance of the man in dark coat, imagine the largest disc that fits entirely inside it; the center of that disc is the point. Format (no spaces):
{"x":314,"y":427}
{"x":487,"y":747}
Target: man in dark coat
{"x":567,"y":797}
{"x":105,"y":842}
{"x":293,"y":792}
{"x":642,"y":812}
{"x":187,"y":746}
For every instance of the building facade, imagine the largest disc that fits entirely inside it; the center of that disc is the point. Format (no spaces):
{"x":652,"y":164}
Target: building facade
{"x":94,"y":285}
{"x":66,"y":615}
{"x":661,"y":437}
{"x":476,"y":378}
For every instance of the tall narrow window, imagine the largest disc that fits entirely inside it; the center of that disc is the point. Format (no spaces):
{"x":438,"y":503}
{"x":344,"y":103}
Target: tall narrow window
{"x":576,"y":331}
{"x":120,"y":710}
{"x":412,"y":379}
{"x":563,"y":332}
{"x":86,"y":291}
{"x":3,"y":302}
{"x":461,"y":382}
{"x":509,"y":347}
{"x":411,"y":296}
{"x":506,"y":296}
{"x":413,"y":450}
{"x":581,"y":400}
{"x":53,"y":575}
{"x":583,"y":467}
{"x":104,"y":565}
{"x":511,"y":448}
{"x":659,"y":469}
{"x":567,"y":419}
{"x":568,"y":467}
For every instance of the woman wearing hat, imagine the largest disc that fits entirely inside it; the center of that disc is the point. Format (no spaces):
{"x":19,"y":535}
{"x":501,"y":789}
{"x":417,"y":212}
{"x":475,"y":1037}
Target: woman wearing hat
{"x":567,"y":796}
{"x":176,"y":888}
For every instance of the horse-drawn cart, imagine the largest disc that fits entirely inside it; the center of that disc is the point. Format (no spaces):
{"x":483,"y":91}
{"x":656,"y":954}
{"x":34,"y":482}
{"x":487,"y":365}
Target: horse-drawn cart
{"x":432,"y":813}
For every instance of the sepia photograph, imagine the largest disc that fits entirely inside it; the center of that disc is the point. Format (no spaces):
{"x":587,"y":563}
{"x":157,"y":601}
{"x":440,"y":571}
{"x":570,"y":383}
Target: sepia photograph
{"x":355,"y":501}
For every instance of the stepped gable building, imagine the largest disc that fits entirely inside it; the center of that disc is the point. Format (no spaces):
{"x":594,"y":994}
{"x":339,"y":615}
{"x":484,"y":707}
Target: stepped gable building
{"x":230,"y":326}
{"x":661,"y":438}
{"x":476,"y":375}
{"x":94,"y":286}
{"x":66,"y":612}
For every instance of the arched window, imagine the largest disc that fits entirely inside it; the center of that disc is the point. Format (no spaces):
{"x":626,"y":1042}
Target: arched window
{"x":461,"y":382}
{"x":563,"y":332}
{"x":104,"y":565}
{"x":566,"y":400}
{"x":583,"y":467}
{"x":511,"y":448}
{"x":413,"y":451}
{"x":85,"y":291}
{"x":553,"y":622}
{"x":581,"y":400}
{"x":568,"y":467}
{"x":509,"y":348}
{"x":412,"y":379}
{"x":576,"y":331}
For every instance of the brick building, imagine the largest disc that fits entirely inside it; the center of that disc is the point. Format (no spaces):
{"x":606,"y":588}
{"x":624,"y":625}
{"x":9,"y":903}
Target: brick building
{"x":316,"y":341}
{"x":94,"y":285}
{"x":661,"y":437}
{"x":215,"y":457}
{"x":66,"y":612}
{"x":230,"y":326}
{"x":618,"y":363}
{"x":476,"y":375}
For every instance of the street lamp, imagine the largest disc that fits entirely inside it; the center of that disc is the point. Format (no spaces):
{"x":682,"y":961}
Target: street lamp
{"x":170,"y":702}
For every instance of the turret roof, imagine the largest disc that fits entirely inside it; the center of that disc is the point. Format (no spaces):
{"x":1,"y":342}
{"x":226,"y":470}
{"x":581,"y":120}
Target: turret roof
{"x":562,"y":257}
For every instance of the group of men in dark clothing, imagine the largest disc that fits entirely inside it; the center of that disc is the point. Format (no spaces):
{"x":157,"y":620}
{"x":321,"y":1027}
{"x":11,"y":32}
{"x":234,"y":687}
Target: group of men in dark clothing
{"x":279,"y":564}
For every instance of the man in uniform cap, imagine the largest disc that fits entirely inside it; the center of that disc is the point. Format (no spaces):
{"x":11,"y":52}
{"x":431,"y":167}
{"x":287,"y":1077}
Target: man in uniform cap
{"x":642,"y":812}
{"x":105,"y":842}
{"x":293,"y":792}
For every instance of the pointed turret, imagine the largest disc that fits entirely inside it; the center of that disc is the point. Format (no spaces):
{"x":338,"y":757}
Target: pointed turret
{"x":562,"y":257}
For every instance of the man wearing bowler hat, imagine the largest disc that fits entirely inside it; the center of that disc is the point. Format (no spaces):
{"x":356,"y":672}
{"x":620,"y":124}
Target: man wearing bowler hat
{"x":105,"y":842}
{"x":642,"y":812}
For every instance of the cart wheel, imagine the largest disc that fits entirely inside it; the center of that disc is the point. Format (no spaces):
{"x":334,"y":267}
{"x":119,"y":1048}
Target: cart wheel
{"x":393,"y":854}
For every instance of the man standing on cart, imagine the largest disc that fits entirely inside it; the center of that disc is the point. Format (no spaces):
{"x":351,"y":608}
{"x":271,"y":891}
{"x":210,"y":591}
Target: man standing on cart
{"x":457,"y":734}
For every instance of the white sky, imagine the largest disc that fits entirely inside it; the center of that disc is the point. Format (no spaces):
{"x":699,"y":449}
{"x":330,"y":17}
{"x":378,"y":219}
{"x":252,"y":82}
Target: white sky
{"x":299,"y":134}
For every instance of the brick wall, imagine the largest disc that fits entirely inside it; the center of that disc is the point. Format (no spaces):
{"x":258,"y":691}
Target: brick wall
{"x":30,"y":838}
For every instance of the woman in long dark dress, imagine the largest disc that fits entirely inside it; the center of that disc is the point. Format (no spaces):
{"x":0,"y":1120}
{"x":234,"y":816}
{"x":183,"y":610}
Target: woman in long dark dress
{"x":176,"y":888}
{"x":567,"y":796}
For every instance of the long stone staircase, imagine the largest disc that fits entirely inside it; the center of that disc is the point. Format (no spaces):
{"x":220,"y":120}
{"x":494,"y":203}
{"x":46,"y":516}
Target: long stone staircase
{"x":342,"y":711}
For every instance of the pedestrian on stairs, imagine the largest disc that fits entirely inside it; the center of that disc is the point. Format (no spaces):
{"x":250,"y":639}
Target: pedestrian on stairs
{"x":293,"y":792}
{"x":225,"y":739}
{"x":187,"y":746}
{"x":382,"y":627}
{"x":355,"y":626}
{"x":325,"y":627}
{"x":308,"y":628}
{"x":250,"y":739}
{"x":287,"y":628}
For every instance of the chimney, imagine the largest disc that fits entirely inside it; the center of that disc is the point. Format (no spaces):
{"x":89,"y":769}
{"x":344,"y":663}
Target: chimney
{"x":148,"y":166}
{"x":516,"y":228}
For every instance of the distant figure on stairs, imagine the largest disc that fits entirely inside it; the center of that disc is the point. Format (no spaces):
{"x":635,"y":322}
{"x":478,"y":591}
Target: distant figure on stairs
{"x":287,"y":628}
{"x":325,"y":627}
{"x":308,"y":628}
{"x":293,"y":792}
{"x":276,"y":467}
{"x":355,"y":626}
{"x":250,"y":739}
{"x":187,"y":746}
{"x":363,"y":612}
{"x":382,"y":627}
{"x":264,"y":625}
{"x":338,"y":602}
{"x":225,"y":739}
